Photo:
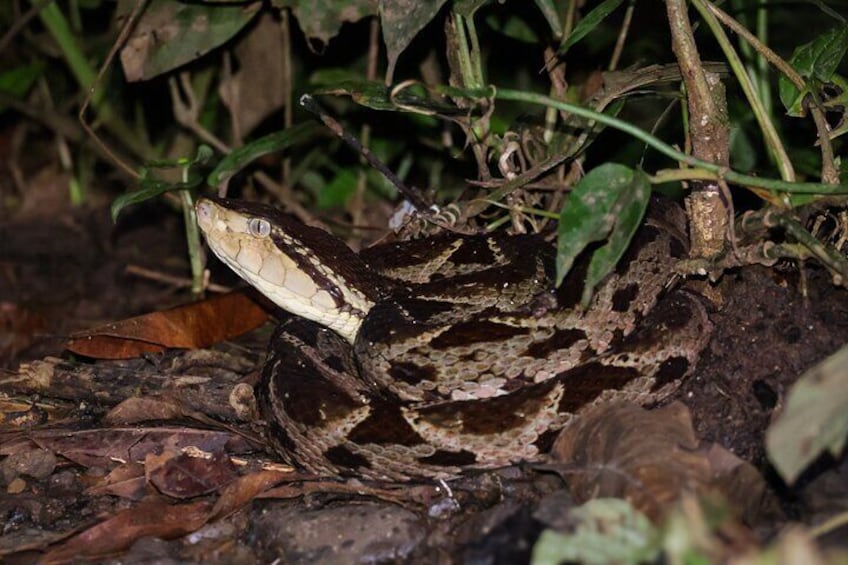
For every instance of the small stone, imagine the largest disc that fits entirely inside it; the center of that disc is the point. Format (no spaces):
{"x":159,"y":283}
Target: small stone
{"x":17,"y":486}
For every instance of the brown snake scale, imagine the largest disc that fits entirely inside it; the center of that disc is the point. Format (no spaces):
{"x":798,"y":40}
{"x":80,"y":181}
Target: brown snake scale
{"x":452,"y":352}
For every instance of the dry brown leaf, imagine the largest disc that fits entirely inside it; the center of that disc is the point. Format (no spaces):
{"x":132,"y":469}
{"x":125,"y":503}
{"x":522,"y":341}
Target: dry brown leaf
{"x":143,"y":409}
{"x":108,"y":447}
{"x":127,"y":481}
{"x":184,"y":475}
{"x":199,"y":324}
{"x":621,"y":450}
{"x":116,"y":534}
{"x":244,"y":489}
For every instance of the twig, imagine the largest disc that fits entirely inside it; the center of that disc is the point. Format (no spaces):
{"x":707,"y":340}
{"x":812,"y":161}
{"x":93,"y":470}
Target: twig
{"x":412,"y":195}
{"x":132,"y":20}
{"x":172,"y":280}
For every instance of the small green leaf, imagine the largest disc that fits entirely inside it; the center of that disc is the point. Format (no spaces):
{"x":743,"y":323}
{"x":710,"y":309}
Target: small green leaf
{"x":338,"y":190}
{"x":246,"y":154}
{"x":628,"y":212}
{"x":603,"y":530}
{"x":151,"y":188}
{"x":590,"y":22}
{"x":816,"y":61}
{"x":17,"y":81}
{"x":586,"y":216}
{"x":814,"y":420}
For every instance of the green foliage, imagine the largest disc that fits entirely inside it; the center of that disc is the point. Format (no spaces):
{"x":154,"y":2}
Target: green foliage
{"x":246,"y":154}
{"x":151,"y":187}
{"x":589,"y":23}
{"x":17,"y":81}
{"x":816,"y":62}
{"x":607,"y":204}
{"x":605,"y":530}
{"x":814,"y":420}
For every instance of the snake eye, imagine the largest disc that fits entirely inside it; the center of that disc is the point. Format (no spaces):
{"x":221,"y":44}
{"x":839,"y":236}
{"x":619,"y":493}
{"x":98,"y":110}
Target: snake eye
{"x":258,"y":227}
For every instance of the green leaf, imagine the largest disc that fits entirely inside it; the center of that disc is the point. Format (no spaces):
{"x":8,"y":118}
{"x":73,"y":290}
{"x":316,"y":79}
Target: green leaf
{"x":17,"y":81}
{"x":606,"y":204}
{"x":814,"y":420}
{"x":628,"y":212}
{"x":590,"y":22}
{"x":152,"y":187}
{"x":322,"y":19}
{"x":603,"y":530}
{"x":816,"y":61}
{"x":338,"y":190}
{"x":171,"y":34}
{"x":401,"y":21}
{"x":246,"y":154}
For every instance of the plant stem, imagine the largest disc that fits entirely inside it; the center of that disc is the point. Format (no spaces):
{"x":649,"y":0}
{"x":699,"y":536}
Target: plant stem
{"x":717,"y":171}
{"x":772,"y":139}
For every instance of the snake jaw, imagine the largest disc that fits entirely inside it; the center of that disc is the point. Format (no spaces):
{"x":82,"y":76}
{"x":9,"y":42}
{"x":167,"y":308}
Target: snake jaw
{"x":262,"y":247}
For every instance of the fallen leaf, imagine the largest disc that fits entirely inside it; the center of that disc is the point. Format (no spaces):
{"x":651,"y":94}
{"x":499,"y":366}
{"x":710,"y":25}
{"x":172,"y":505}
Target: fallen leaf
{"x":109,"y":447}
{"x":183,"y":475}
{"x":199,"y":324}
{"x":621,"y":450}
{"x":116,"y":534}
{"x":127,"y":481}
{"x":244,"y":489}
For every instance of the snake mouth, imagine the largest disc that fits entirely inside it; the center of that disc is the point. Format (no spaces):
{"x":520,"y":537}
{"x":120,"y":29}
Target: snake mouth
{"x":281,"y":258}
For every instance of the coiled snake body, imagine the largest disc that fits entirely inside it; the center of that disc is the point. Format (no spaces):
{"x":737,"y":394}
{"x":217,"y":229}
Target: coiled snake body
{"x":429,"y":357}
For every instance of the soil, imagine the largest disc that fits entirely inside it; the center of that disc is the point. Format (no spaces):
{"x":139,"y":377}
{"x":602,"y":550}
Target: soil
{"x":68,"y":271}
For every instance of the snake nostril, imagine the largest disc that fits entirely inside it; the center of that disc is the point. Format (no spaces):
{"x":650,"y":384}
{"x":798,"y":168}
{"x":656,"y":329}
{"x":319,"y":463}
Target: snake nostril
{"x":204,"y":210}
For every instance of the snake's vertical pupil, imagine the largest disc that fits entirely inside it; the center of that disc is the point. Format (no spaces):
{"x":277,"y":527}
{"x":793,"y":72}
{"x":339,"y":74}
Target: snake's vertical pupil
{"x":259,"y":227}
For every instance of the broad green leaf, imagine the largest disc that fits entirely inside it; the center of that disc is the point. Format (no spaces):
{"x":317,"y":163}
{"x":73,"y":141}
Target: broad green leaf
{"x":401,"y":21}
{"x":603,"y":530}
{"x":246,"y":154}
{"x":816,"y":61}
{"x":322,"y":19}
{"x":338,"y":190}
{"x":152,"y":187}
{"x":586,"y":216}
{"x":628,"y":212}
{"x":590,"y":22}
{"x":814,"y":420}
{"x":171,"y":34}
{"x":17,"y":81}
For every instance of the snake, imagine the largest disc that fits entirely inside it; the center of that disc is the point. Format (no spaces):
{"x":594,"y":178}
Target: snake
{"x":434,"y":357}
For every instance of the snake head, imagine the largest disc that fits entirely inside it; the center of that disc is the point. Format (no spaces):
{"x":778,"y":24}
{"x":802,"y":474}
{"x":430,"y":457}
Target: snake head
{"x":302,"y":269}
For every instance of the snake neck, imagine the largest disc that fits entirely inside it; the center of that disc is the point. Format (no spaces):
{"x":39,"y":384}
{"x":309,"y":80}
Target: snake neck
{"x":304,"y":270}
